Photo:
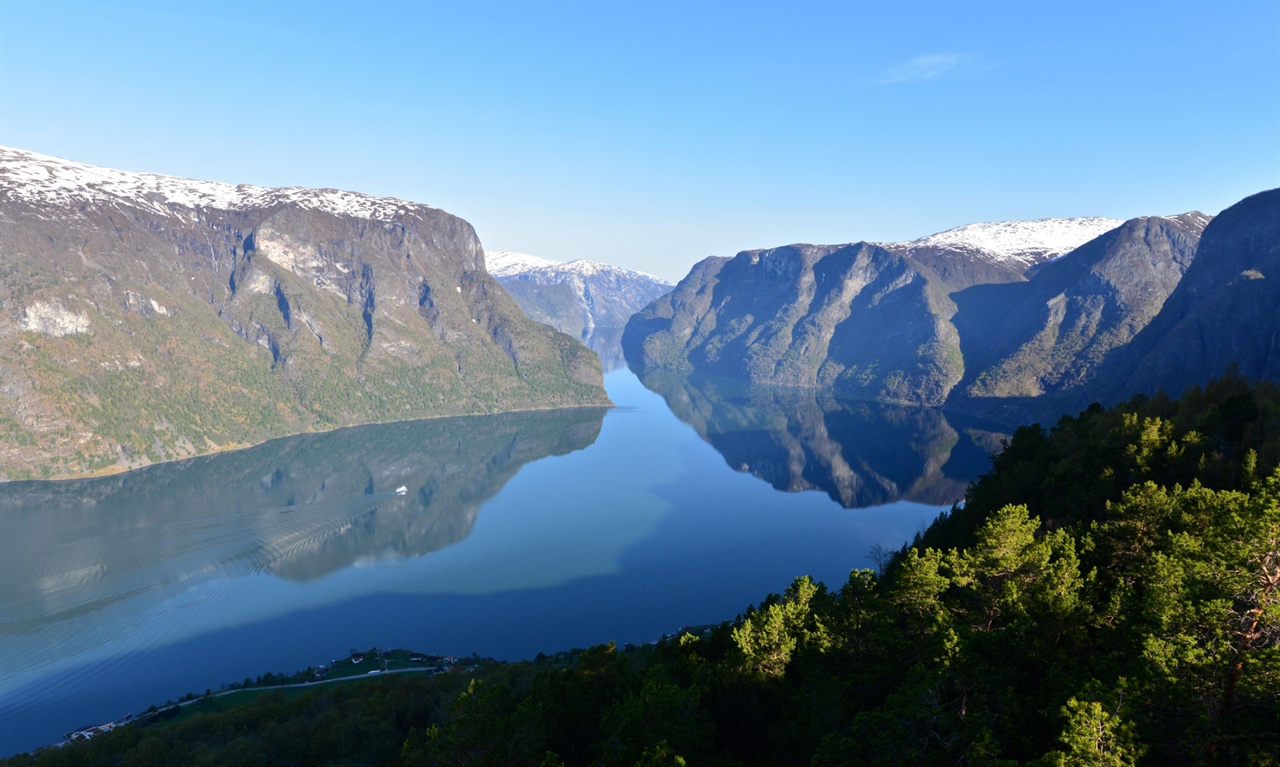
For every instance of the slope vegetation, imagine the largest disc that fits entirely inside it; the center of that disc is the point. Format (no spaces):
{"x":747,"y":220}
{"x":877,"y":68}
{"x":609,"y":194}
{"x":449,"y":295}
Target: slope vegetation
{"x":147,"y":318}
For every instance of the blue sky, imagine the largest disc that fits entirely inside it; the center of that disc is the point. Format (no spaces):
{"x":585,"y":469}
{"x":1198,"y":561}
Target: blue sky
{"x":651,"y":135}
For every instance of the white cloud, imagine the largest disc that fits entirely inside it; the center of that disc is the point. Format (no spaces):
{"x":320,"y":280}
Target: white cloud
{"x":930,"y":67}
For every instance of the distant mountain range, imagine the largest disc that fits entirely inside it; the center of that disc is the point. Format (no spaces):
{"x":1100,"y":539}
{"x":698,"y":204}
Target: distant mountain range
{"x":147,"y":317}
{"x":1013,"y":320}
{"x":585,"y":299}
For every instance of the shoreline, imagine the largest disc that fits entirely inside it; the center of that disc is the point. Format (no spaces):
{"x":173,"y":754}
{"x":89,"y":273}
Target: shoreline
{"x":117,"y":469}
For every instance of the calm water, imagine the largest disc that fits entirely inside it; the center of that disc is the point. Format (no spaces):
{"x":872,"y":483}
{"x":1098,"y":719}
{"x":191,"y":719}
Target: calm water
{"x":520,"y":533}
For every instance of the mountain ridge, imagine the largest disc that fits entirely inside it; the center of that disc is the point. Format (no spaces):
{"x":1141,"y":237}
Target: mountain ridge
{"x":945,"y":324}
{"x":140,"y":322}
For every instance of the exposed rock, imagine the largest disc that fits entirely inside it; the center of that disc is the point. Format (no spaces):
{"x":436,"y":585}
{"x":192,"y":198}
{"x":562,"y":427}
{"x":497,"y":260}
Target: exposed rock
{"x":1225,"y":311}
{"x":1019,"y":334}
{"x":853,"y":318}
{"x":50,"y":319}
{"x":1054,"y":334}
{"x":236,"y":314}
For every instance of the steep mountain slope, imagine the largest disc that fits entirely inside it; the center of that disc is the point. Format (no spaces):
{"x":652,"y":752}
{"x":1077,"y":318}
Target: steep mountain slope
{"x":585,"y":299}
{"x":855,"y":318}
{"x":148,"y":317}
{"x":1053,"y":333}
{"x":1226,"y":310}
{"x":992,"y":318}
{"x":870,"y":320}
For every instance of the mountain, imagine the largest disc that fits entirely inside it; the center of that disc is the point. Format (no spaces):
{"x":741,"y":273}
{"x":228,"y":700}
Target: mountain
{"x":1054,"y":333}
{"x":1225,"y":311}
{"x":584,"y":299}
{"x":148,"y":317}
{"x":855,"y":318}
{"x":1004,"y":320}
{"x":505,"y":263}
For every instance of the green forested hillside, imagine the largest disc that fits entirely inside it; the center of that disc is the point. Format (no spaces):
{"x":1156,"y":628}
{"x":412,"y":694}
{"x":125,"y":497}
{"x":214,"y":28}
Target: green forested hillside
{"x":1108,"y":595}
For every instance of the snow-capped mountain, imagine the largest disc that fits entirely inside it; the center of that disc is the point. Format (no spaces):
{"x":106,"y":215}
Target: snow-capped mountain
{"x":980,"y":316}
{"x":147,"y":317}
{"x":53,"y":182}
{"x":1022,"y":244}
{"x":505,"y":263}
{"x":585,"y":299}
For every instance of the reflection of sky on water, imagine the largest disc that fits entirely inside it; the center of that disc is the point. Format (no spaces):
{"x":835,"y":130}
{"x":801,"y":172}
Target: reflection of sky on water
{"x":642,"y":532}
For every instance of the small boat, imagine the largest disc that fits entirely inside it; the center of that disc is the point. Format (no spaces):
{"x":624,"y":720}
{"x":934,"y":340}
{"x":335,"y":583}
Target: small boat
{"x":402,"y":490}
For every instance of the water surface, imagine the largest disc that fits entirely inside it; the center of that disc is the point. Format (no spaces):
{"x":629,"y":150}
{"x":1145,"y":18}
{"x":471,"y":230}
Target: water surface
{"x":518,"y":534}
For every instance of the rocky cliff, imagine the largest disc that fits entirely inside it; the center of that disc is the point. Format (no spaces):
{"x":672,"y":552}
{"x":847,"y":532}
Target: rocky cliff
{"x":146,"y":317}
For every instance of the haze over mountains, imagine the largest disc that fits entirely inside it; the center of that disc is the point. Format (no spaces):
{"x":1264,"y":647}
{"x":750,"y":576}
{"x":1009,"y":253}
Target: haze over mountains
{"x":148,"y":317}
{"x":587,"y":300}
{"x":1016,"y":320}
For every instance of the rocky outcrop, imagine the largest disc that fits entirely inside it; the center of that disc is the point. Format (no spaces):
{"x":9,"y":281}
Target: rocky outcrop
{"x":145,"y":318}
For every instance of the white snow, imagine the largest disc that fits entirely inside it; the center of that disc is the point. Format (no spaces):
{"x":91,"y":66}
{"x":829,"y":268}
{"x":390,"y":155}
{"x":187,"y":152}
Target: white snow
{"x":509,"y":264}
{"x":1191,"y":217}
{"x":504,"y":263}
{"x":1025,"y":242}
{"x":41,"y":179}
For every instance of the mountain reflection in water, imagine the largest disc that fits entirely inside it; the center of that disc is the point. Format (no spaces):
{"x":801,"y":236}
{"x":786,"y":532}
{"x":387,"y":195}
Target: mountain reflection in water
{"x":299,"y":507}
{"x":859,"y":453}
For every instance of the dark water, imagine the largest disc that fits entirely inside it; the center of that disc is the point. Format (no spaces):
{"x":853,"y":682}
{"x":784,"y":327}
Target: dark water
{"x":518,"y":534}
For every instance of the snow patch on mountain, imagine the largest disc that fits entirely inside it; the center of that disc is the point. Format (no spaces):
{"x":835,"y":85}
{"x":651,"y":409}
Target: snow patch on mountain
{"x":501,"y":263}
{"x":506,"y":263}
{"x":43,"y":180}
{"x":584,"y":268}
{"x":1025,"y":242}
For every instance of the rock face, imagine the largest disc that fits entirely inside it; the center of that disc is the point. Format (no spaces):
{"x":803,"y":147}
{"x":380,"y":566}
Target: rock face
{"x":1225,"y":311}
{"x":1012,"y":321}
{"x":854,"y":318}
{"x":1054,"y":334}
{"x":148,"y":318}
{"x":584,"y":299}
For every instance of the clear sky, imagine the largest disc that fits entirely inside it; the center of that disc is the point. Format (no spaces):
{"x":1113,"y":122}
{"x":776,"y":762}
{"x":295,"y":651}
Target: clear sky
{"x":653,"y":134}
